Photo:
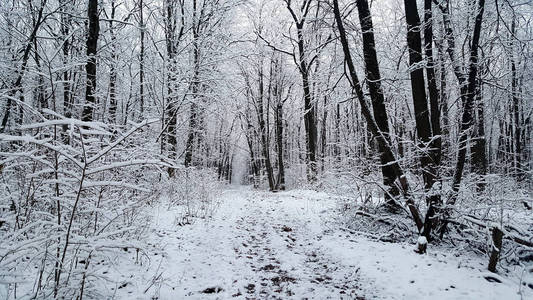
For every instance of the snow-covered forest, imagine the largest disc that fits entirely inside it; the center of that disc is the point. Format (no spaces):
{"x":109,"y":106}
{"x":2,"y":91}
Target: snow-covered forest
{"x":266,"y":149}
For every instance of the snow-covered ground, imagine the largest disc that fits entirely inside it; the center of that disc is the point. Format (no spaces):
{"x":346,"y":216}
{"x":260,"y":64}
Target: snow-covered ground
{"x":286,"y":246}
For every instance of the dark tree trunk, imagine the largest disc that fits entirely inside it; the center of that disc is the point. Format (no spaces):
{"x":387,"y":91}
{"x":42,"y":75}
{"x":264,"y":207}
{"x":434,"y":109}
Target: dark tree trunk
{"x":337,"y":147}
{"x":428,"y":158}
{"x":497,"y":236}
{"x":309,"y":110}
{"x":41,"y":94}
{"x":280,"y":183}
{"x":309,"y":107}
{"x":466,"y":120}
{"x":432,"y":82}
{"x":141,"y":58}
{"x":378,"y":101}
{"x":90,"y":67}
{"x":516,"y":107}
{"x":113,"y":70}
{"x":443,"y":97}
{"x":372,"y":126}
{"x":194,"y":116}
{"x":172,"y":39}
{"x":323,"y":135}
{"x":478,"y":142}
{"x":263,"y":130}
{"x":65,"y":29}
{"x":254,"y":164}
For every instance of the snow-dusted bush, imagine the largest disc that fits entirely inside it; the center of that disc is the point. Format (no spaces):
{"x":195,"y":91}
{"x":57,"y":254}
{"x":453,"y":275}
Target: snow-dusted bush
{"x":499,"y":204}
{"x":69,"y":200}
{"x":194,"y":193}
{"x":502,"y":203}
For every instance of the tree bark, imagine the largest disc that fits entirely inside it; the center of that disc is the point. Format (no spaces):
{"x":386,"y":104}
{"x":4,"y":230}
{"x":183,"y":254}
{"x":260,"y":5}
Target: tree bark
{"x":516,"y":107}
{"x":141,"y":58}
{"x":429,"y":157}
{"x":172,"y":39}
{"x":466,"y":119}
{"x":65,"y":29}
{"x":90,"y":67}
{"x":280,"y":182}
{"x":194,"y":116}
{"x":113,"y":70}
{"x":478,"y":142}
{"x":372,"y":126}
{"x":263,"y":131}
{"x":309,"y":107}
{"x":378,"y":101}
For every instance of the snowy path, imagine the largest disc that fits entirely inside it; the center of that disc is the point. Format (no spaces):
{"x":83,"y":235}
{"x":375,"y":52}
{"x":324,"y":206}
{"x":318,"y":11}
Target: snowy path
{"x":262,"y":245}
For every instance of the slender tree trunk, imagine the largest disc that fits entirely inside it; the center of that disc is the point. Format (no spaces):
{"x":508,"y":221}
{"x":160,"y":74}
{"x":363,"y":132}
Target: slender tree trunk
{"x":280,"y":182}
{"x":65,"y":29}
{"x":309,"y":113}
{"x":194,"y":115}
{"x":323,"y":135}
{"x":90,"y":67}
{"x":466,"y":120}
{"x":113,"y":70}
{"x":432,"y":82}
{"x":309,"y":107}
{"x":41,"y":94}
{"x":172,"y":40}
{"x":141,"y":58}
{"x":516,"y":106}
{"x":443,"y":97}
{"x":263,"y":131}
{"x":337,"y":148}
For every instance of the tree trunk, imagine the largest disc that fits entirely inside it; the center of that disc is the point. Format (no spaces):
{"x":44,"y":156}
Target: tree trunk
{"x":195,"y":85}
{"x":280,"y":182}
{"x":113,"y":70}
{"x":141,"y":58}
{"x":497,"y":236}
{"x":466,"y":120}
{"x":429,"y":157}
{"x":263,"y":131}
{"x":172,"y":40}
{"x":309,"y":110}
{"x":516,"y":107}
{"x":372,"y":126}
{"x":432,"y":82}
{"x":378,"y":101}
{"x":323,"y":135}
{"x":478,"y":142}
{"x":309,"y":107}
{"x":90,"y":67}
{"x":65,"y":29}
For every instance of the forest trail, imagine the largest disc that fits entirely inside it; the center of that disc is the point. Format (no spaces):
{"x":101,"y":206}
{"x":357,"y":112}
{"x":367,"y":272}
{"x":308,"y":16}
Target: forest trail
{"x":262,"y":245}
{"x":258,"y":245}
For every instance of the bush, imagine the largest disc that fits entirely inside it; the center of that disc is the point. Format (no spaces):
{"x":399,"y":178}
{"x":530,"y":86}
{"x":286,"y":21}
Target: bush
{"x":193,"y":193}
